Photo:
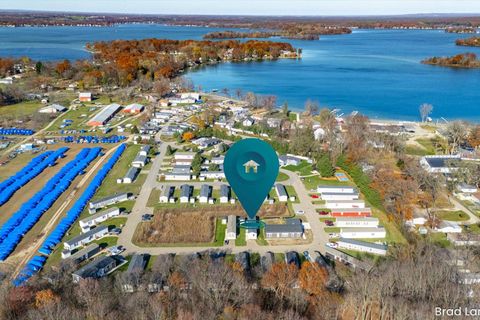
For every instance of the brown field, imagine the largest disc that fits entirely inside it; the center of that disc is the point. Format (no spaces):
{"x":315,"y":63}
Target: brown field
{"x":193,"y":225}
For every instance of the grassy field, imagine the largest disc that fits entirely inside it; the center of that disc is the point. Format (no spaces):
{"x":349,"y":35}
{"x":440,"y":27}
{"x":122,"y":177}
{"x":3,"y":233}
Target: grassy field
{"x":241,"y":238}
{"x":453,"y":215}
{"x":439,"y":239}
{"x":20,"y":109}
{"x":282,"y":177}
{"x":154,"y":198}
{"x":303,"y":169}
{"x":209,"y":231}
{"x":110,"y":185}
{"x":314,"y":181}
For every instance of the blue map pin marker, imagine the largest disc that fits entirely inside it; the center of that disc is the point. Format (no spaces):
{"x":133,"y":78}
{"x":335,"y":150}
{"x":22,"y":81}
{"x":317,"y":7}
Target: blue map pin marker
{"x":251,"y":168}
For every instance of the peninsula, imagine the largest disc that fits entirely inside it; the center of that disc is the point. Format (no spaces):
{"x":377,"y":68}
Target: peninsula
{"x":464,"y":60}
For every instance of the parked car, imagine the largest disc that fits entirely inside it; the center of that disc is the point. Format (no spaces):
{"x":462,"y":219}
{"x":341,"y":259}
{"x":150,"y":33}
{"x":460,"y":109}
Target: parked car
{"x":314,"y":196}
{"x":328,"y":223}
{"x":147,"y":217}
{"x":333,"y":235}
{"x":115,"y":250}
{"x":323,"y":213}
{"x":300,"y":212}
{"x":116,"y":231}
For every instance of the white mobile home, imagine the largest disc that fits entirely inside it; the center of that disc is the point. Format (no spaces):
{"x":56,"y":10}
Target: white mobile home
{"x":205,"y":193}
{"x":225,"y":193}
{"x":281,"y":192}
{"x":167,"y":194}
{"x":178,"y":176}
{"x":344,"y":204}
{"x":185,"y":193}
{"x":97,"y":218}
{"x":336,"y":189}
{"x":363,"y":233}
{"x":86,"y":238}
{"x":362,"y":246}
{"x":333,"y":196}
{"x":360,"y":222}
{"x":231,"y":232}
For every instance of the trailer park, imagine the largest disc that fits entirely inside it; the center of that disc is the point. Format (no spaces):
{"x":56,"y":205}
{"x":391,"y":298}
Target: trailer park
{"x":110,"y":187}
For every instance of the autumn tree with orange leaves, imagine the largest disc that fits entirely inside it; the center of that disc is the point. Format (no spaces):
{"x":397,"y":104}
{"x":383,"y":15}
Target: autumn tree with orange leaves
{"x":280,"y":278}
{"x":187,"y":136}
{"x":312,"y":278}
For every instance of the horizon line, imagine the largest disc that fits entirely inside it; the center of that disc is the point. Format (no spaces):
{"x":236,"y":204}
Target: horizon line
{"x":457,"y":14}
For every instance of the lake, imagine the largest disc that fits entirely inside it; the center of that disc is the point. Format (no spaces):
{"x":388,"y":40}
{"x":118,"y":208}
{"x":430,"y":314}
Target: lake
{"x":376,"y":72}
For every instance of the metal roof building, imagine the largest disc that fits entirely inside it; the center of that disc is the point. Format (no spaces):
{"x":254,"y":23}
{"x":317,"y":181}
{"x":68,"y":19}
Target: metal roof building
{"x":104,"y":115}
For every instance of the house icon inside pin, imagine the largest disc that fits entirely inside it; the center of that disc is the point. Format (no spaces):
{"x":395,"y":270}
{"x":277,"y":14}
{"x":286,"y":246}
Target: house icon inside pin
{"x":249,"y":165}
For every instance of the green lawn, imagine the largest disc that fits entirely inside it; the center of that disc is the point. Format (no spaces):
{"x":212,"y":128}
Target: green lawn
{"x":261,"y":241}
{"x":241,"y":238}
{"x":439,"y":239}
{"x":110,"y":185}
{"x":304,"y":168}
{"x":314,"y":181}
{"x":332,"y":230}
{"x":282,"y":177}
{"x":20,"y":109}
{"x":154,"y":198}
{"x":292,"y":192}
{"x":452,"y":215}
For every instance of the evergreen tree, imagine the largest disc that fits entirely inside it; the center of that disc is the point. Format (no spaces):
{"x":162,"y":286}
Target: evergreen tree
{"x":324,"y":166}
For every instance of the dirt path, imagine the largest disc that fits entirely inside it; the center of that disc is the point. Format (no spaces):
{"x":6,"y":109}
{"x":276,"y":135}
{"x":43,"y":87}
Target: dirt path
{"x":30,"y":252}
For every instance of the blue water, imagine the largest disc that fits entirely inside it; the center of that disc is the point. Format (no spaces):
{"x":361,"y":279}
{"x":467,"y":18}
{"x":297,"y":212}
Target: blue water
{"x":376,"y":72}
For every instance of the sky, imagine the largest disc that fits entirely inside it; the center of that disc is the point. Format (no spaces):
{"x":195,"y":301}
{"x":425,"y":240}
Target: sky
{"x":251,"y":7}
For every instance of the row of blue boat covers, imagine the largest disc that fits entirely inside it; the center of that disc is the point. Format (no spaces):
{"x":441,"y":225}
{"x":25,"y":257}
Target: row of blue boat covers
{"x":16,"y":131}
{"x":94,"y":139}
{"x":86,"y":155}
{"x":36,"y":166}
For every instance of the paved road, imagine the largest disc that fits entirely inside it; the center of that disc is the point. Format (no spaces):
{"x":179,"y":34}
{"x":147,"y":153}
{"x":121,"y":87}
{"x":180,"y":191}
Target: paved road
{"x":140,"y":207}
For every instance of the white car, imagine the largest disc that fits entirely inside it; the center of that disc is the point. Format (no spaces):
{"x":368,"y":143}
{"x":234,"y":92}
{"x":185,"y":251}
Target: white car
{"x":332,"y":245}
{"x":300,"y":212}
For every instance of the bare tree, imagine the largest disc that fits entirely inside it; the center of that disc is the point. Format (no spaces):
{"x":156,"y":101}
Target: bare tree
{"x":425,"y":110}
{"x":311,"y":108}
{"x":456,"y":134}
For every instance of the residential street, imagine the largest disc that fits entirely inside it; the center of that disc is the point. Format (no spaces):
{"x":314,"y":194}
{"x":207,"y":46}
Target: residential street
{"x":140,"y":208}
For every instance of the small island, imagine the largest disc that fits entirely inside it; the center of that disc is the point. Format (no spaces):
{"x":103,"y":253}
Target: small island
{"x":464,"y":60}
{"x":469,"y":42}
{"x":291,"y":31}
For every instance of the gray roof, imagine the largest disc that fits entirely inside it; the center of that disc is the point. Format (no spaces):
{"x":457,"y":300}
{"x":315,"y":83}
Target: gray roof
{"x":181,"y":169}
{"x":87,"y":235}
{"x":439,"y":162}
{"x":99,"y":214}
{"x":284,"y":228}
{"x":205,"y":190}
{"x":132,"y":173}
{"x":364,"y":244}
{"x":225,"y":191}
{"x":140,"y":158}
{"x":109,"y":198}
{"x":85,"y":251}
{"x":138,"y":263}
{"x":145,"y":148}
{"x":185,"y":190}
{"x":106,"y":113}
{"x":281,"y":191}
{"x":91,"y":269}
{"x":232,"y":223}
{"x":168,"y":191}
